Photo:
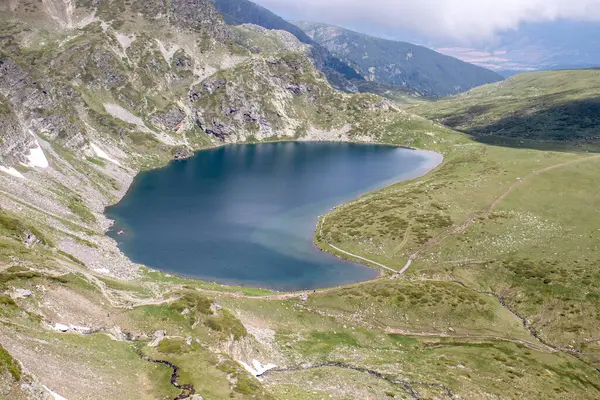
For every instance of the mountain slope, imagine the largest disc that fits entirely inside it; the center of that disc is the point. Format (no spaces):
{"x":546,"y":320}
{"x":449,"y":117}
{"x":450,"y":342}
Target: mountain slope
{"x":398,"y":63}
{"x":90,"y":96}
{"x":237,"y":12}
{"x":549,"y":105}
{"x":339,"y":73}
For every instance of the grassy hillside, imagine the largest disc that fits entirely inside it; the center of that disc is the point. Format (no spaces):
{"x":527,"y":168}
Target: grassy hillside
{"x":399,"y":64}
{"x":550,"y":105}
{"x":498,"y":220}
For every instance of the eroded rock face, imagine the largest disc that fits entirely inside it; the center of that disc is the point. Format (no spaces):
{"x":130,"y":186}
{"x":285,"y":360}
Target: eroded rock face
{"x":30,"y":106}
{"x":257,"y":99}
{"x":182,"y":154}
{"x":157,"y":337}
{"x":19,"y":87}
{"x":15,"y":142}
{"x":169,"y":120}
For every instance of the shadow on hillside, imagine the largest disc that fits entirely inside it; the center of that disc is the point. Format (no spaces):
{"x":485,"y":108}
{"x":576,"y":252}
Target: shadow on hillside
{"x":546,"y":125}
{"x":572,"y":146}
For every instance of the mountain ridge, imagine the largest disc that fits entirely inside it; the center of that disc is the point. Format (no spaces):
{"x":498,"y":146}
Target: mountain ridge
{"x":399,"y":63}
{"x":238,"y":12}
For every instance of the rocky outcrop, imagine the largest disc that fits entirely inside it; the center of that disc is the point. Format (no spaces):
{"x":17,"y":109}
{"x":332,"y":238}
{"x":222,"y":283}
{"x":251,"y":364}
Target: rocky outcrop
{"x":261,"y":40}
{"x":169,"y":120}
{"x":29,"y":106}
{"x":20,"y":88}
{"x":15,"y":142}
{"x":276,"y":96}
{"x":198,"y":15}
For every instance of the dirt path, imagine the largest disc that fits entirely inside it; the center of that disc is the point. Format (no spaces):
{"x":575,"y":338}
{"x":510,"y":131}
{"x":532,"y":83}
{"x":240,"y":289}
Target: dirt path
{"x":534,"y":173}
{"x":408,"y":386}
{"x":535,"y":346}
{"x":362,"y":258}
{"x":456,"y":229}
{"x":352,"y":254}
{"x":469,"y":221}
{"x":404,"y":239}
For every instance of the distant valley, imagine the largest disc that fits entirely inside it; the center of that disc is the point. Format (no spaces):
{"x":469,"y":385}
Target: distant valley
{"x":533,"y":46}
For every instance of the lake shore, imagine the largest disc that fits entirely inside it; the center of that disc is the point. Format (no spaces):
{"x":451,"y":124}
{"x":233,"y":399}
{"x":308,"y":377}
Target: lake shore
{"x":433,"y":159}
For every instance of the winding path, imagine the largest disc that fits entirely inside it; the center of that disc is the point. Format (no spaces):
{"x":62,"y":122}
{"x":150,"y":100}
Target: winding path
{"x":469,"y":221}
{"x":352,"y":254}
{"x":362,"y":258}
{"x":408,"y":386}
{"x":456,"y":229}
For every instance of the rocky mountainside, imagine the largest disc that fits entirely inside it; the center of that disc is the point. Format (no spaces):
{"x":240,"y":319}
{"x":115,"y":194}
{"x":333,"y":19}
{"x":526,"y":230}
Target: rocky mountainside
{"x":339,"y":73}
{"x":400,"y":64}
{"x":105,"y":73}
{"x":238,"y":12}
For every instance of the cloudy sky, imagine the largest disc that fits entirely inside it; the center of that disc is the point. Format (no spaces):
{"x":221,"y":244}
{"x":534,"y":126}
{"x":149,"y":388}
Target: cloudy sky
{"x":459,"y":20}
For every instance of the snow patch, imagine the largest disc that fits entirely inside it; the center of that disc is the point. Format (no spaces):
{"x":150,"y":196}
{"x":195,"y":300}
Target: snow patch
{"x":36,"y":157}
{"x":55,"y":395}
{"x":11,"y":171}
{"x":104,"y":271}
{"x":257,"y":368}
{"x":61,"y":327}
{"x":71,"y":328}
{"x":125,"y":41}
{"x":102,"y":154}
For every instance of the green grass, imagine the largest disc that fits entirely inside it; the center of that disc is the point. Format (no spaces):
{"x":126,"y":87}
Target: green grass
{"x":212,"y":376}
{"x":389,"y":225}
{"x":16,"y":229}
{"x":98,"y":161}
{"x":78,"y":207}
{"x":227,"y":324}
{"x":536,"y":250}
{"x":349,"y":327}
{"x":7,"y":363}
{"x":175,"y":346}
{"x":543,"y":106}
{"x":539,"y":252}
{"x":193,"y":302}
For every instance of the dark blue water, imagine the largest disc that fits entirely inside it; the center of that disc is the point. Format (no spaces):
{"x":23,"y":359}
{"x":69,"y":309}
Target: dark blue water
{"x":246,"y":214}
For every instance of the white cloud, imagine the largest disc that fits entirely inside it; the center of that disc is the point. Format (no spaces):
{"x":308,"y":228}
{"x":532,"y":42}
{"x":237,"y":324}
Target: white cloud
{"x":457,"y":19}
